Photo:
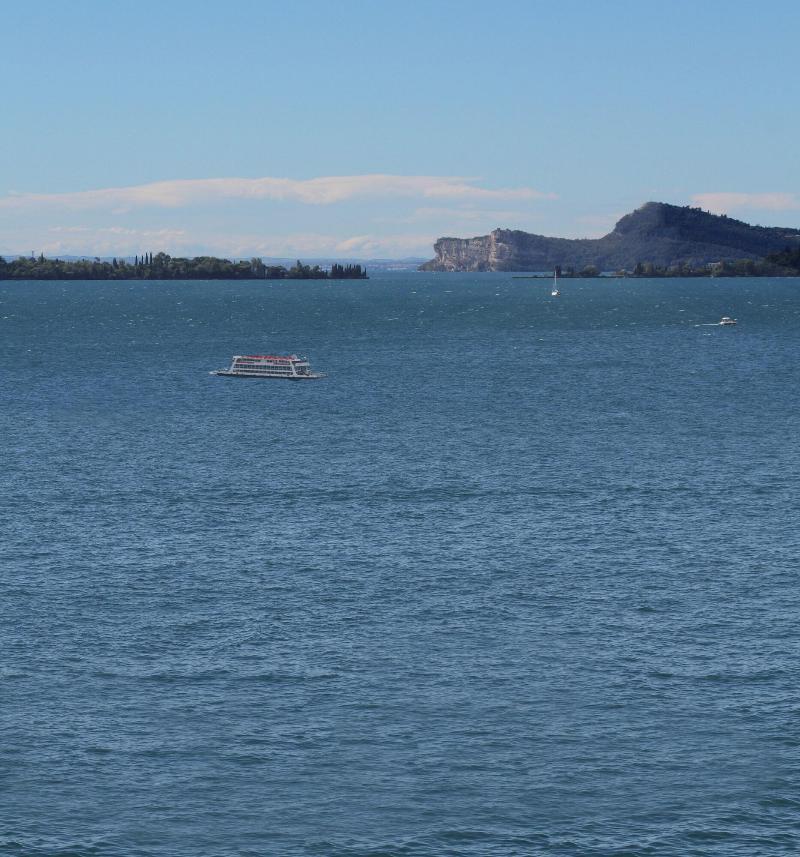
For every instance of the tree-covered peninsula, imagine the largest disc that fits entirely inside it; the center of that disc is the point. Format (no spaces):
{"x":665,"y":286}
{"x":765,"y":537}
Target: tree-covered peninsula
{"x":786,"y":263}
{"x":783,"y":264}
{"x":164,"y":267}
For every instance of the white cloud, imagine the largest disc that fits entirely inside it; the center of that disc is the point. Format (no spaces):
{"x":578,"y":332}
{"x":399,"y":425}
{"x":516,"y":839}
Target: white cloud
{"x":107,"y":241}
{"x":386,"y":246}
{"x":722,"y":203}
{"x":466,"y":214}
{"x":357,"y":244}
{"x":319,"y":191}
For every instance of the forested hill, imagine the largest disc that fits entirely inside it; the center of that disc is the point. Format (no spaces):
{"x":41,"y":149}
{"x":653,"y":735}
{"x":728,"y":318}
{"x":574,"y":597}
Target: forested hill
{"x":657,"y":233}
{"x":164,"y":267}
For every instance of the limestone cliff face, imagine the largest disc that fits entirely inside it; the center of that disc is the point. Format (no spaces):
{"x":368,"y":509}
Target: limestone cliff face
{"x":657,"y":232}
{"x":463,"y":254}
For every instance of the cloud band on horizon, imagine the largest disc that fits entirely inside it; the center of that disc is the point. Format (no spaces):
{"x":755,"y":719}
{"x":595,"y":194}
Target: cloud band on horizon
{"x":723,"y":202}
{"x":326,"y":190}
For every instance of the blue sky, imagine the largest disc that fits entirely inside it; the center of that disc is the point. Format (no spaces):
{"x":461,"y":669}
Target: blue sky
{"x":366,"y":129}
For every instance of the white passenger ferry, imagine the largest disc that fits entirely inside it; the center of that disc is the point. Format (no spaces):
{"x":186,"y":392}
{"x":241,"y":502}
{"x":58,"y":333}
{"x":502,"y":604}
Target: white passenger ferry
{"x":269,"y":366}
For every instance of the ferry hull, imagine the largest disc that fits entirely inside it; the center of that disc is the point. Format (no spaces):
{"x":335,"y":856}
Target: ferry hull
{"x":225,"y":374}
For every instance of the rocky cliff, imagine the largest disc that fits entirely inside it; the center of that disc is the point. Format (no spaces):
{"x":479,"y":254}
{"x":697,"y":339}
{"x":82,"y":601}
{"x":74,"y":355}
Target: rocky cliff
{"x":657,"y":232}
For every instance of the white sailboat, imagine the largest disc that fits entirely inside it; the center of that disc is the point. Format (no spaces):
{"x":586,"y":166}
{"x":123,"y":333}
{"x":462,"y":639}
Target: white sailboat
{"x":555,"y":292}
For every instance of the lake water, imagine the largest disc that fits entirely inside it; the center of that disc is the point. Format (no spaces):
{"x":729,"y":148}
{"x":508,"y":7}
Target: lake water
{"x":519,"y":577}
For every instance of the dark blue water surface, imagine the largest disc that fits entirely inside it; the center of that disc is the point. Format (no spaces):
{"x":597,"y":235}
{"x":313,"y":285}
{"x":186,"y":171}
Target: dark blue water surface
{"x":519,"y":577}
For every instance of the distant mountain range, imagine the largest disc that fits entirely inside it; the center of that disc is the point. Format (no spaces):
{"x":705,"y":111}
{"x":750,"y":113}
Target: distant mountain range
{"x":657,"y":232}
